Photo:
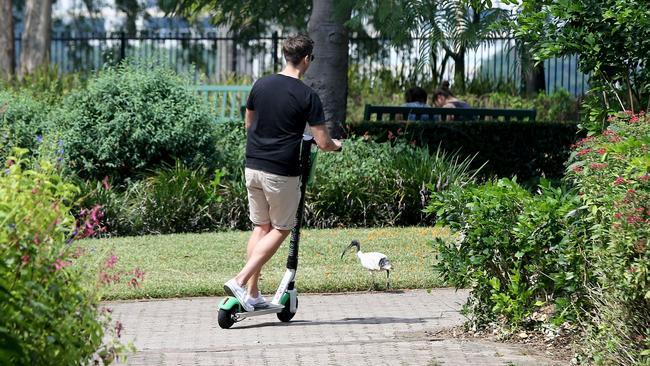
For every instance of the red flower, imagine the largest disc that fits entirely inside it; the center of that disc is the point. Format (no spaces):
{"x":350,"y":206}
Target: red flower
{"x":644,"y":177}
{"x":619,"y":181}
{"x":584,"y":151}
{"x":601,"y":151}
{"x":577,"y":169}
{"x":618,"y":215}
{"x":633,"y":219}
{"x":615,"y":139}
{"x":25,"y":259}
{"x":598,"y":165}
{"x":634,"y":119}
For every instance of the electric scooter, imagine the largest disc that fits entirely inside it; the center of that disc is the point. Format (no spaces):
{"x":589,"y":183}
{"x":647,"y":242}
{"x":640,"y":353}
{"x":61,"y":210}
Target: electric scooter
{"x":285,"y":300}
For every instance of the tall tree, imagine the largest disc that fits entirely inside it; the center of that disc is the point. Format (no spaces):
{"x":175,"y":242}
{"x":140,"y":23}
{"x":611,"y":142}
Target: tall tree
{"x":328,"y":75}
{"x":7,"y":56}
{"x":37,"y":33}
{"x":131,"y":8}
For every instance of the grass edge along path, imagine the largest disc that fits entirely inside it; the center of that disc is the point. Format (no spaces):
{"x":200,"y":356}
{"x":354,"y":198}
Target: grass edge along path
{"x":185,"y":265}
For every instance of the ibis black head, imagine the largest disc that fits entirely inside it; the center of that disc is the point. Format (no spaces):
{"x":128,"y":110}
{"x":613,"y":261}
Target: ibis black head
{"x":354,"y":243}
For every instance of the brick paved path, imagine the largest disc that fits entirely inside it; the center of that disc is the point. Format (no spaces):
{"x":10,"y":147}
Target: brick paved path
{"x":378,"y":328}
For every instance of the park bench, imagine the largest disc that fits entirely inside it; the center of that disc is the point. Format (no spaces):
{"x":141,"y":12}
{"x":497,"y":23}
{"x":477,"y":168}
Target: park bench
{"x":226,"y":101}
{"x":399,"y":113}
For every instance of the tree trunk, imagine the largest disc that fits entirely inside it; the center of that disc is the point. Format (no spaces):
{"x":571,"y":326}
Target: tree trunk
{"x":37,"y":30}
{"x":328,"y":74}
{"x":533,"y":76}
{"x":459,"y":71}
{"x":7,"y":61}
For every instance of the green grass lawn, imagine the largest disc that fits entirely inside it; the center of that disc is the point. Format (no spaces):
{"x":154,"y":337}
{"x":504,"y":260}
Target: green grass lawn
{"x":198,"y":264}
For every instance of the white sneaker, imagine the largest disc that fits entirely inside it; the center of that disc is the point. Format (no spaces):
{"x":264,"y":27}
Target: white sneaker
{"x":232,"y":288}
{"x":258,"y":302}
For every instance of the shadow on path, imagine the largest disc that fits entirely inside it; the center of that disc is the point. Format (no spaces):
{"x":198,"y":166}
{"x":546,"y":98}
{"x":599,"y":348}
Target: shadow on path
{"x":343,"y":321}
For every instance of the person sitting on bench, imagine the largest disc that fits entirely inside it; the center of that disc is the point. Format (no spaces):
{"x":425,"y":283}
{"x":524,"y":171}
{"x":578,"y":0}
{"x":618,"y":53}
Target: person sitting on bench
{"x":416,"y":97}
{"x":444,"y":98}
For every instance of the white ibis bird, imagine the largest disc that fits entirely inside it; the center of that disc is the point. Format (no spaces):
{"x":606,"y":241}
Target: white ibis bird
{"x":372,"y":261}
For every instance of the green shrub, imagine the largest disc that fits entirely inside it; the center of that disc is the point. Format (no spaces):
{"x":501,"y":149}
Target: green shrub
{"x":514,"y":253}
{"x":47,"y":84}
{"x":378,"y":184}
{"x":132,"y":119}
{"x":48,"y":310}
{"x":23,"y":122}
{"x":612,"y":172}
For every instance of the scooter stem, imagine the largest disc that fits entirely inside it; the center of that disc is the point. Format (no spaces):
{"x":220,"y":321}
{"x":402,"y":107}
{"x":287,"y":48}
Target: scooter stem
{"x":305,"y":169}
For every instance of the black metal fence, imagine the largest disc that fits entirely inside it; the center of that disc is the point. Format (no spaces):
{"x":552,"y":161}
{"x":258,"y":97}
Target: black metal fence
{"x":216,"y":57}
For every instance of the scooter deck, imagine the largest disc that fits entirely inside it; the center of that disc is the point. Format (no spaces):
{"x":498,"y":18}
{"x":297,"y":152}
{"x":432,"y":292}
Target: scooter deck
{"x":271,"y":309}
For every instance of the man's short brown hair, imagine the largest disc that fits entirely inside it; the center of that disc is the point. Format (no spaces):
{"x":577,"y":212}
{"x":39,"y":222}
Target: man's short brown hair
{"x":295,"y":48}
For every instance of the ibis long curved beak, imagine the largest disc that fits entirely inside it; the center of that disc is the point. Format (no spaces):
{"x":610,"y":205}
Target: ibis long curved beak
{"x":345,"y":250}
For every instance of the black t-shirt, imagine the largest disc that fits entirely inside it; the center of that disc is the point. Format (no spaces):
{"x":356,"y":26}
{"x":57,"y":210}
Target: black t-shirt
{"x":283,"y":106}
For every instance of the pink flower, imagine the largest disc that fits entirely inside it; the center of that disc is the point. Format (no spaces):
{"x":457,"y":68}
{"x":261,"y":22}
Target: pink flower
{"x":390,"y":135}
{"x":601,"y":151}
{"x":615,"y":139}
{"x":37,"y":240}
{"x":110,"y":262}
{"x":634,"y":119}
{"x":618,"y":215}
{"x":644,"y":177}
{"x":59,"y":264}
{"x":105,"y":184}
{"x":577,"y":169}
{"x":619,"y":181}
{"x":118,"y":328}
{"x":139,"y":274}
{"x":25,"y":259}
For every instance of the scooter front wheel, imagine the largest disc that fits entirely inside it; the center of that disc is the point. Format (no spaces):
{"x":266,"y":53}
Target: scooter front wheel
{"x":286,"y":315}
{"x":226,"y":317}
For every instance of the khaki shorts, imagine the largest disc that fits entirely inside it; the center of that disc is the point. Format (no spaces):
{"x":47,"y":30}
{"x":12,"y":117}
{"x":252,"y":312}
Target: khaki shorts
{"x":272,"y":198}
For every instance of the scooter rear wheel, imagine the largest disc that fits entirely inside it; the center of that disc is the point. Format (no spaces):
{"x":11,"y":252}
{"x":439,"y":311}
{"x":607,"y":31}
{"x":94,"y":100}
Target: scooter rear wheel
{"x":226,"y":318}
{"x":286,"y":315}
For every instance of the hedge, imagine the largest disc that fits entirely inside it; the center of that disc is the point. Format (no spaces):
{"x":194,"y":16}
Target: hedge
{"x":527,"y":150}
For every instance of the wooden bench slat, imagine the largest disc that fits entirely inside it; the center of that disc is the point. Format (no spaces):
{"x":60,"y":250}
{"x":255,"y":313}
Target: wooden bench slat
{"x":469,"y":113}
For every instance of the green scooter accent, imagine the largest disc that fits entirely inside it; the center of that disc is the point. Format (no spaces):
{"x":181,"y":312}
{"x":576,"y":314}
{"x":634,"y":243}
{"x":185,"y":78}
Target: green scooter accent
{"x":229,"y":302}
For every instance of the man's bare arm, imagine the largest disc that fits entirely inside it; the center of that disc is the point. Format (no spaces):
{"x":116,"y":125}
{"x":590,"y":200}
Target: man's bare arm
{"x":323,"y":139}
{"x":248,"y":118}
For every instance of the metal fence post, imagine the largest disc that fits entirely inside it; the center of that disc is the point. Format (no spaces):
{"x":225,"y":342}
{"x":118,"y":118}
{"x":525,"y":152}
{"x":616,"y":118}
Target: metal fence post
{"x":274,"y":41}
{"x":122,"y":46}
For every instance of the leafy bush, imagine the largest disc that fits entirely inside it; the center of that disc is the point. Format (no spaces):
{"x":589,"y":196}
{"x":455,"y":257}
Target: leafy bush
{"x":132,"y":119}
{"x":378,"y":184}
{"x":47,"y":84}
{"x":48,"y":311}
{"x":612,"y":172}
{"x":23,"y":122}
{"x":513,"y":252}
